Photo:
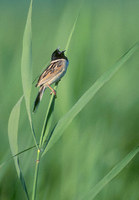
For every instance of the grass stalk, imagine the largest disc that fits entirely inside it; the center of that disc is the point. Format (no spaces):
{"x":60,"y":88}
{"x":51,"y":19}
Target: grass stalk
{"x":36,"y":174}
{"x":47,"y":116}
{"x":39,"y":152}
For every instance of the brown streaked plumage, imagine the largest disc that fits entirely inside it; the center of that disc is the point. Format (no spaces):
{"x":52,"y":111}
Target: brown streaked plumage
{"x":52,"y":74}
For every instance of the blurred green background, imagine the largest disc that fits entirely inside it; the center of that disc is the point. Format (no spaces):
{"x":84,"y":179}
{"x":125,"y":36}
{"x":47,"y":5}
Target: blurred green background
{"x":106,"y":129}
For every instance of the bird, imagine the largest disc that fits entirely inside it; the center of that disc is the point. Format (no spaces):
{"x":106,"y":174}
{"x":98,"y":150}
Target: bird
{"x":52,"y":74}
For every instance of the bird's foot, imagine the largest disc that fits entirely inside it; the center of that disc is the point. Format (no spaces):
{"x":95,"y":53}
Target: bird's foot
{"x":53,"y":92}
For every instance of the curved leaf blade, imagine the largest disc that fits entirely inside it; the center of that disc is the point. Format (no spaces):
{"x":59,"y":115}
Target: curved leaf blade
{"x":13,"y":126}
{"x":112,"y":174}
{"x":13,"y":140}
{"x":26,"y":62}
{"x":87,"y":96}
{"x":26,"y":66}
{"x":71,"y":34}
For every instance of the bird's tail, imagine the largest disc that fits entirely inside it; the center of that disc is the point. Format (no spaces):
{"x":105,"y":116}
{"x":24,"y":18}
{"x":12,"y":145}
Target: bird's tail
{"x":38,"y":98}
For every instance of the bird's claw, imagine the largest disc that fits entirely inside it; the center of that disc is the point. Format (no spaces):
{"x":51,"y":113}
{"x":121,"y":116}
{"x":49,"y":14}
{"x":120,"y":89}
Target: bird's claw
{"x":53,"y":92}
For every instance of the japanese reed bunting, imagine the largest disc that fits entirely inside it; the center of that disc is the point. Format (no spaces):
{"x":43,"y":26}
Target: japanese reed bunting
{"x":52,"y":74}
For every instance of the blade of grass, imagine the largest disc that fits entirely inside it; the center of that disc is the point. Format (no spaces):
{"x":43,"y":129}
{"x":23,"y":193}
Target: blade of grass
{"x":71,"y":34}
{"x":15,"y":155}
{"x":26,"y":62}
{"x":47,"y":117}
{"x":87,"y":96}
{"x":73,"y":27}
{"x":13,"y":140}
{"x":114,"y":172}
{"x":13,"y":126}
{"x":43,"y":135}
{"x":26,"y":66}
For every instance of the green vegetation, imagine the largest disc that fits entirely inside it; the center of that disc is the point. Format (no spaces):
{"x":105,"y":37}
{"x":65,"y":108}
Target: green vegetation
{"x":93,"y":139}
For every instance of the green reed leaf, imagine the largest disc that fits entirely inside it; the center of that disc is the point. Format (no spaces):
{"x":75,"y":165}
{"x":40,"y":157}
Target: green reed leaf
{"x":87,"y":96}
{"x":26,"y":66}
{"x":13,"y":140}
{"x":114,"y":172}
{"x":71,"y":34}
{"x":26,"y":62}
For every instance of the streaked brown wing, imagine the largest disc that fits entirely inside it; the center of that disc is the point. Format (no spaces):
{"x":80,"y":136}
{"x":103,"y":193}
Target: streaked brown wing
{"x":52,"y":70}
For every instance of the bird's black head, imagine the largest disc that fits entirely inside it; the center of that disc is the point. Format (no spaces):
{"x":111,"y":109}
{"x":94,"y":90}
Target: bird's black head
{"x":58,"y":55}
